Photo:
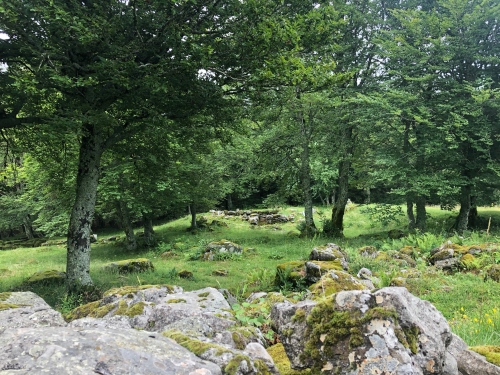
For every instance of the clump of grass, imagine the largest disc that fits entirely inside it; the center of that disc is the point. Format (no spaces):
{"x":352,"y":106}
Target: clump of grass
{"x":477,"y":328}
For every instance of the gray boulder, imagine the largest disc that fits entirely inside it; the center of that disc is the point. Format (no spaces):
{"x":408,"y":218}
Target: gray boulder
{"x":26,"y":309}
{"x":105,"y":351}
{"x":329,"y":252}
{"x":469,"y":362}
{"x":362,"y":333}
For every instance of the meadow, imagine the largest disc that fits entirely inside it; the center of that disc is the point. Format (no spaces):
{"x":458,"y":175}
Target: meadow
{"x":470,"y":303}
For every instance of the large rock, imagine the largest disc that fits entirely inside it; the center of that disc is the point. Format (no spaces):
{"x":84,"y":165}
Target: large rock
{"x":200,"y":321}
{"x":105,"y":351}
{"x":130,"y":265}
{"x":330,"y":252}
{"x":469,"y":362}
{"x":389,"y":331}
{"x":26,"y":309}
{"x":201,"y":312}
{"x":220,"y":248}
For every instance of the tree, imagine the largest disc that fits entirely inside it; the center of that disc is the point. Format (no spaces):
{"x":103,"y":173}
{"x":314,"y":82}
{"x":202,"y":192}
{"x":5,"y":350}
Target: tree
{"x":100,"y":69}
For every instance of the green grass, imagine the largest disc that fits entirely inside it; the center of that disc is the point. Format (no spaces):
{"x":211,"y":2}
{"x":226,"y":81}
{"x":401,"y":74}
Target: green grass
{"x":454,"y":295}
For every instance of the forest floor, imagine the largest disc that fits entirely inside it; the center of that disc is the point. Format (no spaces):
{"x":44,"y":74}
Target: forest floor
{"x":469,"y":302}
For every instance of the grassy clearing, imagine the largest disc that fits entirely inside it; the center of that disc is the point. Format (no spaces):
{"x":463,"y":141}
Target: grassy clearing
{"x":456,"y":296}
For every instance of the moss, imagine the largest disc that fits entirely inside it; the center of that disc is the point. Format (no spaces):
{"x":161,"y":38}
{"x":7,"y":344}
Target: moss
{"x":185,"y":274}
{"x":289,"y":272}
{"x":102,"y":311}
{"x":176,"y":300}
{"x":194,"y":346}
{"x":232,"y":367}
{"x":493,"y":272}
{"x":468,"y":261}
{"x":4,"y":296}
{"x":261,"y":367}
{"x":281,"y":361}
{"x":47,"y":277}
{"x":130,"y":311}
{"x":204,"y":294}
{"x":299,"y":316}
{"x":6,"y":306}
{"x":287,"y":332}
{"x":134,"y":289}
{"x":383,"y":257}
{"x":328,"y":328}
{"x":329,"y":285}
{"x":131,"y":265}
{"x":239,"y":341}
{"x":81,"y":311}
{"x":492,"y":353}
{"x":411,"y":335}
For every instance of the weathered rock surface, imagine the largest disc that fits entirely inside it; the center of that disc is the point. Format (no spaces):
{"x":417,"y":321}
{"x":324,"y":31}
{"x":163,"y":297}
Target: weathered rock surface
{"x":67,"y":350}
{"x":26,"y":309}
{"x":469,"y":362}
{"x":330,"y":252}
{"x":221,"y":247}
{"x":130,"y":265}
{"x":104,"y":338}
{"x":389,"y":331}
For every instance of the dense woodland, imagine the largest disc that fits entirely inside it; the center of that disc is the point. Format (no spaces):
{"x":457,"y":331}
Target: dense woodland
{"x":120,"y":112}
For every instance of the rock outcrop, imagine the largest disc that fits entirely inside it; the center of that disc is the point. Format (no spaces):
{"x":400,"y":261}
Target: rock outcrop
{"x":132,"y":330}
{"x":358,"y":332}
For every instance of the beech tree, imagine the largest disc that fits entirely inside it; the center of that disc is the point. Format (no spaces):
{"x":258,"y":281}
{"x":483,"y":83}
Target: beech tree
{"x":100,"y":69}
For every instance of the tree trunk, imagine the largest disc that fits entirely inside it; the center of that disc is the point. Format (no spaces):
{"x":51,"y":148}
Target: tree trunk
{"x":305,"y":171}
{"x":462,"y":220}
{"x":82,"y":214}
{"x":409,"y":213}
{"x":127,"y":226}
{"x":192,"y":210}
{"x":28,"y":227}
{"x":229,"y":202}
{"x":472,"y":220}
{"x":368,"y":195}
{"x":149,"y":238}
{"x":338,"y":209}
{"x":420,"y":223}
{"x":305,"y":179}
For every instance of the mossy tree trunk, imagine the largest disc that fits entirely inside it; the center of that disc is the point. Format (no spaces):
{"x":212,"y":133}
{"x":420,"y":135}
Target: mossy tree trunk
{"x":420,"y":223}
{"x":28,"y":227}
{"x":462,"y":221}
{"x":149,"y":238}
{"x":341,"y":196}
{"x":192,"y":211}
{"x":409,"y":213}
{"x":82,"y":214}
{"x":127,"y":226}
{"x":306,"y":130}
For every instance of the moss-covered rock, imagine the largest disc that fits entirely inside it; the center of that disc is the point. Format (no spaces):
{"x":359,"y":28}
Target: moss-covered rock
{"x":278,"y":354}
{"x":185,"y":274}
{"x":4,"y":296}
{"x":493,"y":272}
{"x":131,"y":310}
{"x":316,"y":269}
{"x":468,"y":261}
{"x":221,"y":273}
{"x":290,"y":273}
{"x":6,"y":306}
{"x":490,"y":352}
{"x":43,"y":277}
{"x":130,"y":265}
{"x":368,"y":251}
{"x":333,"y":282}
{"x":125,"y":290}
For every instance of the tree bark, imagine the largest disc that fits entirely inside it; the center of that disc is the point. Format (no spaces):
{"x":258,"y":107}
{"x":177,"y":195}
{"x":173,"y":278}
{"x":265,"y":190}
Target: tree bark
{"x":229,"y":202}
{"x":472,"y":220}
{"x":127,"y":226}
{"x":28,"y":227}
{"x":462,"y":220}
{"x":192,"y":210}
{"x":338,"y":209}
{"x":78,"y":245}
{"x":420,"y":223}
{"x":409,"y":213}
{"x":149,"y":238}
